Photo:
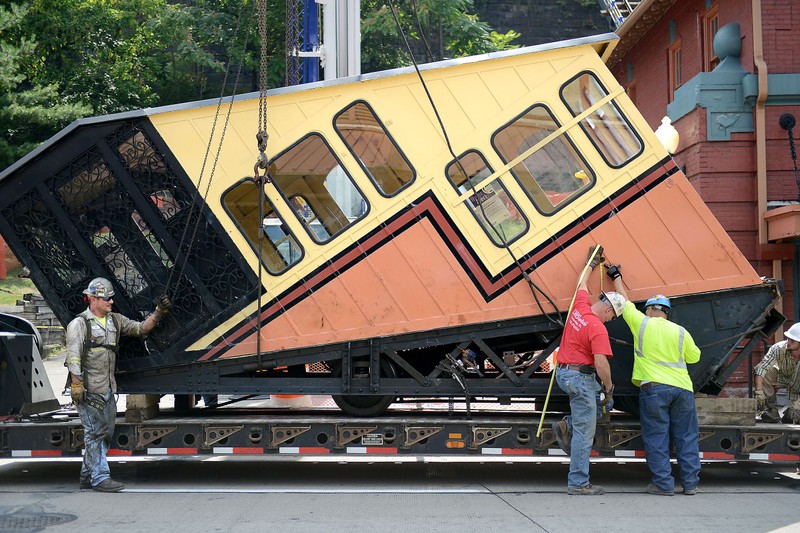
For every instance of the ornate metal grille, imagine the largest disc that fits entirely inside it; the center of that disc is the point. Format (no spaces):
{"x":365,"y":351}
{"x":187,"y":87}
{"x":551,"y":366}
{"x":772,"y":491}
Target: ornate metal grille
{"x":119,"y":210}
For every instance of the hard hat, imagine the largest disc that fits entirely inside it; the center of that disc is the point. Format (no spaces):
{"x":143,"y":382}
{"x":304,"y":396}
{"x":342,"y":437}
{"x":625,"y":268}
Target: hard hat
{"x":615,"y":300}
{"x":660,"y":301}
{"x":99,"y":287}
{"x":793,"y":332}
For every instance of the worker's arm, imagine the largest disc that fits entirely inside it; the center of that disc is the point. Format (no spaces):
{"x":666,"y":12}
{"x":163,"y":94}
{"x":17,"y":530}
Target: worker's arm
{"x":582,"y":286}
{"x":603,"y":370}
{"x":620,"y":287}
{"x":151,"y":322}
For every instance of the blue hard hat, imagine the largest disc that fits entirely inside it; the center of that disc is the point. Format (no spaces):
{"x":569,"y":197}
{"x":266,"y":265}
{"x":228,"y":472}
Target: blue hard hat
{"x":659,"y":300}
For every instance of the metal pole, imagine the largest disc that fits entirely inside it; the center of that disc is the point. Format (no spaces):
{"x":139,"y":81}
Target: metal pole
{"x":310,"y":41}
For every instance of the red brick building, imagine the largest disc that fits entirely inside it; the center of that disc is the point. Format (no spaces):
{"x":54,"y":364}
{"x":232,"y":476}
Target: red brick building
{"x":727,"y":73}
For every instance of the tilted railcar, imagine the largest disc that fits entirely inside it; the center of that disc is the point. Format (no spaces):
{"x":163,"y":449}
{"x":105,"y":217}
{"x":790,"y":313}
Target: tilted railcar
{"x":378,"y":262}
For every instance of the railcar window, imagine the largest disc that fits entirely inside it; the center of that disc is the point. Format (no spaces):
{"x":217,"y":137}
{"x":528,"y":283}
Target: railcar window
{"x":279,"y":249}
{"x":311,"y":171}
{"x":494,"y":208}
{"x":553,"y":174}
{"x":375,"y":150}
{"x":607,"y":127}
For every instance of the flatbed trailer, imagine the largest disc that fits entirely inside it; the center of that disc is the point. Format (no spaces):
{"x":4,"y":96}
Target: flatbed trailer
{"x":289,"y":433}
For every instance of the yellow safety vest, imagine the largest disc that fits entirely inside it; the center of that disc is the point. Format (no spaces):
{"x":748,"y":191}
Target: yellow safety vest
{"x":661,"y":349}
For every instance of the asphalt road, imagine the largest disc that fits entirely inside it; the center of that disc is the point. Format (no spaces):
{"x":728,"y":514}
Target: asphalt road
{"x":303,"y":495}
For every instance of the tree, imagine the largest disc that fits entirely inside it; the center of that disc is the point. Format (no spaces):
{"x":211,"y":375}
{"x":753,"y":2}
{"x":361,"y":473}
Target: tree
{"x":29,"y":113}
{"x":435,"y":29}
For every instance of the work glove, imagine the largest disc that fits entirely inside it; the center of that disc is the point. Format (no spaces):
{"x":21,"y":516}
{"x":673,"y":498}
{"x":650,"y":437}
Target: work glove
{"x":761,"y":399}
{"x":613,"y":271}
{"x":77,"y":392}
{"x":164,"y":305}
{"x":607,"y":397}
{"x":597,"y":259}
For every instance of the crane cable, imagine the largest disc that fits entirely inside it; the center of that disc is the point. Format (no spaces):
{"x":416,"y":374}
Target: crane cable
{"x":262,"y":162}
{"x":194,"y":205}
{"x":498,"y":231}
{"x":586,"y":268}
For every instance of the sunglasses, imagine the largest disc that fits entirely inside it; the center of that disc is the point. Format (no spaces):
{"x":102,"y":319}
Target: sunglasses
{"x":105,"y":298}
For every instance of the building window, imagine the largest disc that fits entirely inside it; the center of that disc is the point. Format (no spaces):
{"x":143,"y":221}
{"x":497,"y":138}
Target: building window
{"x":675,"y":67}
{"x":710,"y":27}
{"x":498,"y":213}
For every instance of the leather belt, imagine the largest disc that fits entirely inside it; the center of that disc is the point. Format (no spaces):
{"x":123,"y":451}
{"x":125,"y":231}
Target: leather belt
{"x":647,"y":385}
{"x":583,"y":369}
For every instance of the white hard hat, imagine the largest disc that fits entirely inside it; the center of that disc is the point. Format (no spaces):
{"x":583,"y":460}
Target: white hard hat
{"x":99,"y":287}
{"x":615,"y":300}
{"x":793,"y":332}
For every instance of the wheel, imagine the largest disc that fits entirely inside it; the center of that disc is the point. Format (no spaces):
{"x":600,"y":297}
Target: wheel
{"x":359,"y":405}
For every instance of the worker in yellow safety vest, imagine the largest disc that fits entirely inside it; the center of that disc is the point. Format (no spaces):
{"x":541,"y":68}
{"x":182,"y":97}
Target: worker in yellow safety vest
{"x":662,"y":349}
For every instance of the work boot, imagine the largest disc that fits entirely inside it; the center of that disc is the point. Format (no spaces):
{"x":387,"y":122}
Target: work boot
{"x":563,"y":434}
{"x":86,"y":484}
{"x":772,"y":416}
{"x":790,"y":416}
{"x":108,"y":485}
{"x":652,"y":488}
{"x":586,"y":490}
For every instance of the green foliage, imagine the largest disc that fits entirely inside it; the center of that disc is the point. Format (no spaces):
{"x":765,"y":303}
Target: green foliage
{"x":29,"y":112}
{"x":13,"y":288}
{"x":435,"y":29}
{"x":64,"y":59}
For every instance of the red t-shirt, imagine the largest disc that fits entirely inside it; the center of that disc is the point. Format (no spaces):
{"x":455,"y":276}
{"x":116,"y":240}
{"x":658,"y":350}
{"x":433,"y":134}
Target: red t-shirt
{"x":584,"y":335}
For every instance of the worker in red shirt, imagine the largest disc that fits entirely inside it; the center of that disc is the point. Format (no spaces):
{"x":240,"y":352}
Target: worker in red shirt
{"x":583,"y":357}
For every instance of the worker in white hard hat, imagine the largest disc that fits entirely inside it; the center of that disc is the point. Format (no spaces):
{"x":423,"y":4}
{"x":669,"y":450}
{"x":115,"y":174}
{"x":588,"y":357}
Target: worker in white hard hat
{"x":661,"y":351}
{"x":92,"y":344}
{"x":780,"y":368}
{"x":583,"y":358}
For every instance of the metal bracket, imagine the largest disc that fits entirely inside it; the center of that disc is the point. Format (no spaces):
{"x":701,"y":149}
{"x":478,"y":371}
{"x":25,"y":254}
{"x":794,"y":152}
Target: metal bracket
{"x":615,"y":438}
{"x":214,"y":434}
{"x":752,"y":440}
{"x":148,"y":435}
{"x":704,"y":435}
{"x":415,"y":434}
{"x":347,"y":434}
{"x":374,"y":366}
{"x":281,"y":434}
{"x":481,"y":435}
{"x":76,"y":438}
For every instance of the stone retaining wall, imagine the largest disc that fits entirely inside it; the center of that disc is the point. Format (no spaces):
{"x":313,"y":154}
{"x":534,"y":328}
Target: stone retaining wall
{"x":34,"y":309}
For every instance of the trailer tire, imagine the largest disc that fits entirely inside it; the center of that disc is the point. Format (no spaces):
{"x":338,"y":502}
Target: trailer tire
{"x":364,"y":405}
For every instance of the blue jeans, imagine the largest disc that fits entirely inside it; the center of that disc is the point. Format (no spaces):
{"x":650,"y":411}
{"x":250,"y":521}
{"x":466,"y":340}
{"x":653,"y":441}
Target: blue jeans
{"x":98,"y":430}
{"x":582,"y":390}
{"x":665,"y":412}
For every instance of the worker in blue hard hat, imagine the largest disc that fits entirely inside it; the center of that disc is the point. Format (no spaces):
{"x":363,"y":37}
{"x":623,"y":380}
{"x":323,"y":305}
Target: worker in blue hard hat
{"x":661,"y":351}
{"x":780,"y":368}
